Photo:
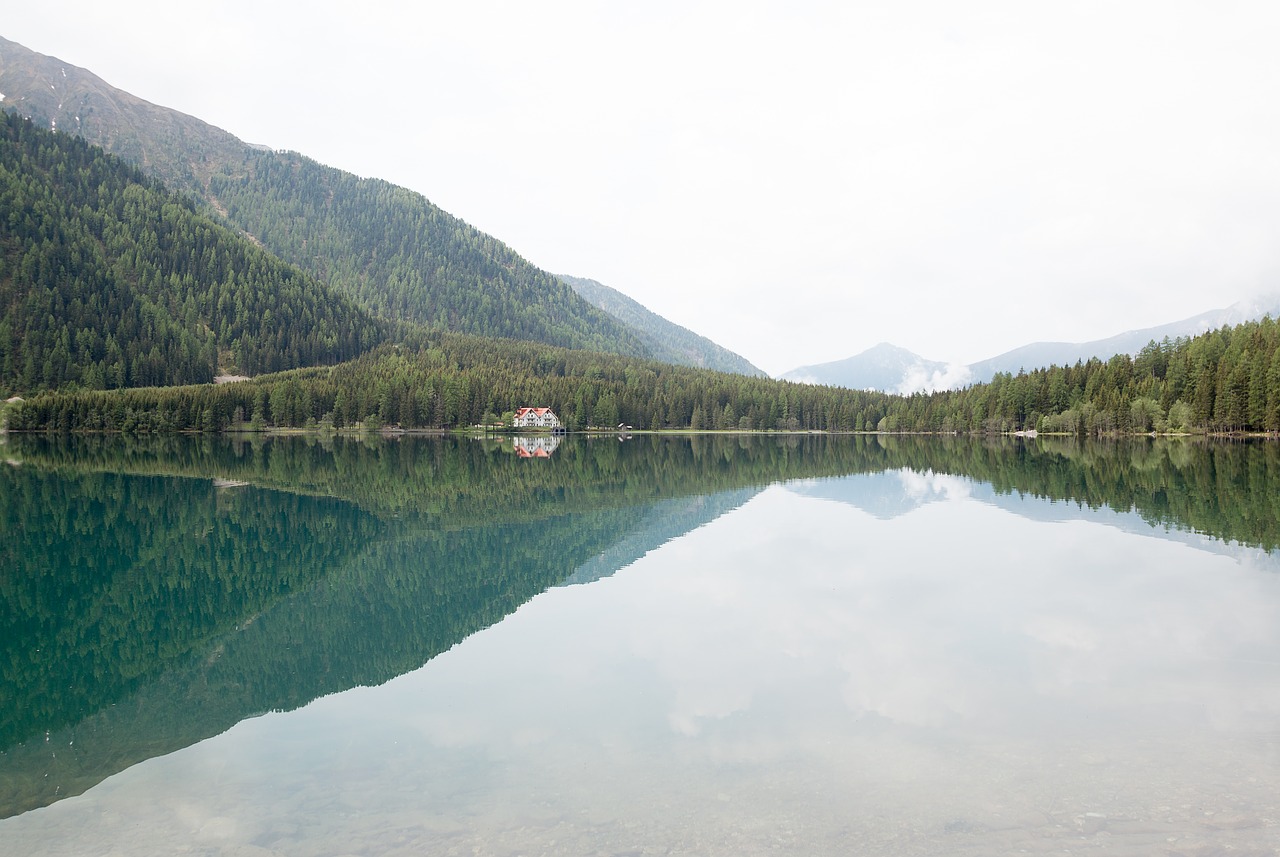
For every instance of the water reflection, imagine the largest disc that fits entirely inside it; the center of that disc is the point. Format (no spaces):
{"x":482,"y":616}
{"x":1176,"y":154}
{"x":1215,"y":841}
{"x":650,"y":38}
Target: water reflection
{"x":144,"y":613}
{"x":893,"y":493}
{"x":904,"y":660}
{"x":537,"y":446}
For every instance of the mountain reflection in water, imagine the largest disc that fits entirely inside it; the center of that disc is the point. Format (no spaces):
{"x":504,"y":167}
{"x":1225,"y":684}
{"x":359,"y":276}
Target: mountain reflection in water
{"x":147,"y":608}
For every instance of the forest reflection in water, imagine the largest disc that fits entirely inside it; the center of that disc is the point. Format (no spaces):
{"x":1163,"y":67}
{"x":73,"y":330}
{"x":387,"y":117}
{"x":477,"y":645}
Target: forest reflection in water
{"x":823,"y":645}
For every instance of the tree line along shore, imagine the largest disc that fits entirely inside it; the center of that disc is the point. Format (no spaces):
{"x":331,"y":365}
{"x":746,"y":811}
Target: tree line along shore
{"x":1225,"y":381}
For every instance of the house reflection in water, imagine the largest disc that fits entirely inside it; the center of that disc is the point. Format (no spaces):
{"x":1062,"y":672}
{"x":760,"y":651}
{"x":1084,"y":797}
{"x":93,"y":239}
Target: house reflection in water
{"x":536,"y":447}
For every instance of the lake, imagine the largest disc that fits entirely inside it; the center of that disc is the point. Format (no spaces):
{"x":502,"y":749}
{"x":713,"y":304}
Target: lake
{"x":707,"y":645}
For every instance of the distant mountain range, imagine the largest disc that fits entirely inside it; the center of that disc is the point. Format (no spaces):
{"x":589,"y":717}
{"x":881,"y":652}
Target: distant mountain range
{"x":1038,"y":354}
{"x":667,"y":341}
{"x":892,"y":369}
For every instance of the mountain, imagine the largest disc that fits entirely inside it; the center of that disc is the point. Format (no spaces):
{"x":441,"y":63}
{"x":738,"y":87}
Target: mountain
{"x":108,"y":280}
{"x":667,"y":341}
{"x":1041,"y":354}
{"x":388,"y":247}
{"x":178,"y":149}
{"x":882,"y":367}
{"x":891,"y":369}
{"x":404,"y":258}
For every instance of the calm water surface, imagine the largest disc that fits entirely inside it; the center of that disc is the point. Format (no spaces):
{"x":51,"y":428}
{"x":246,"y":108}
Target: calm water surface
{"x":707,"y":646}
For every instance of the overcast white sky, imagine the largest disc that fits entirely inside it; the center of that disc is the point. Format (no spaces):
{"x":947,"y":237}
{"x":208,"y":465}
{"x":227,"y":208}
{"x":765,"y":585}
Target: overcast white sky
{"x":797,"y":181}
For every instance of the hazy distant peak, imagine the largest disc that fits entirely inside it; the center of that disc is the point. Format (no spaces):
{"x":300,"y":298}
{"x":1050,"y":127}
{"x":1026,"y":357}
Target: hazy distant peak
{"x":884,"y":366}
{"x":666,"y":340}
{"x":891,"y":351}
{"x":1251,"y":309}
{"x":1038,"y":355}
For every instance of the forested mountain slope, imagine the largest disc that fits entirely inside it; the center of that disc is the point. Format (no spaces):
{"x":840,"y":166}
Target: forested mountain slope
{"x":666,"y":340}
{"x":403,"y":257}
{"x":388,"y":247}
{"x":107,"y":280}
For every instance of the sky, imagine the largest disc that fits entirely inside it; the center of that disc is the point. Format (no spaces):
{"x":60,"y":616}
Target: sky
{"x":796,"y":181}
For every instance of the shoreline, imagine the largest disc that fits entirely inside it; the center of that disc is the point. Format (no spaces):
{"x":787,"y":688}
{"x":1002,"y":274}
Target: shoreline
{"x":394,"y":432}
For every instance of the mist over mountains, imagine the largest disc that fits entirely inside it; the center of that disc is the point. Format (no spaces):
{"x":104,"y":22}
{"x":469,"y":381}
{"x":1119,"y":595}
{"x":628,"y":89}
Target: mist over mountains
{"x":885,"y":367}
{"x":892,"y":369}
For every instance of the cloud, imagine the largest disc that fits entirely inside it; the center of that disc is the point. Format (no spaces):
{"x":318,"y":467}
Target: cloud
{"x":929,"y":485}
{"x":922,"y":379}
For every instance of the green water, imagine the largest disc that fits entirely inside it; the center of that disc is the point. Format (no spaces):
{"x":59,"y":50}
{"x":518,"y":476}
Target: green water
{"x":707,"y":645}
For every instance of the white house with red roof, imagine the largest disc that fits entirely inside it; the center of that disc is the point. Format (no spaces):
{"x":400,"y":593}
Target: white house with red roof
{"x":536,"y":418}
